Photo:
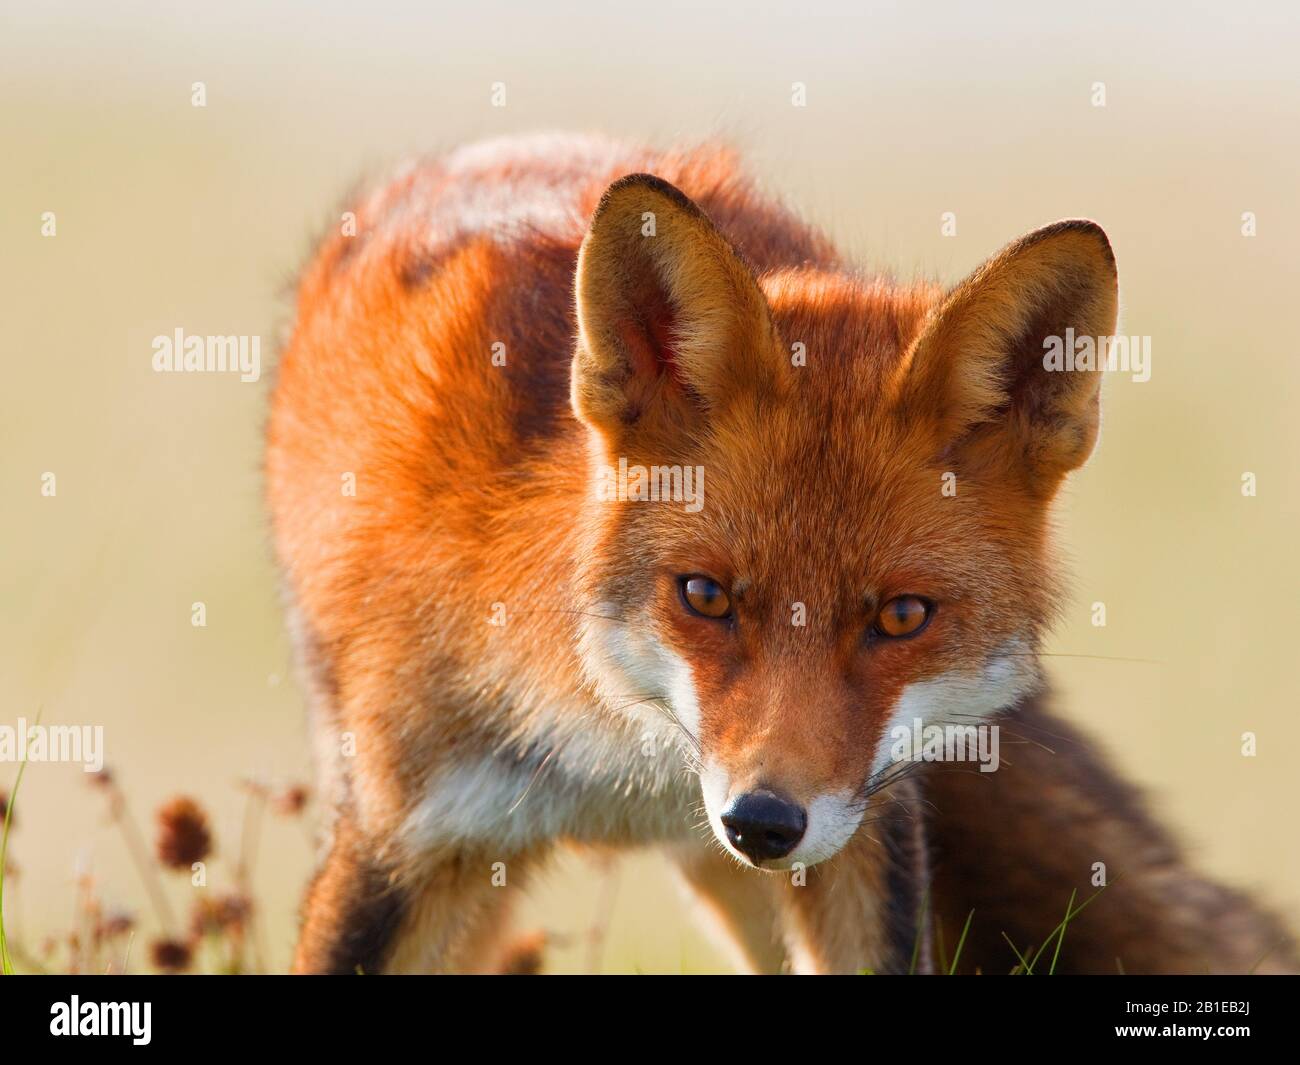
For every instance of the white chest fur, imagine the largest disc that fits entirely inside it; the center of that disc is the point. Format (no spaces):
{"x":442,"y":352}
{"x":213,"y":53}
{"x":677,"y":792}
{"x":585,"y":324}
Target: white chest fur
{"x":592,"y":781}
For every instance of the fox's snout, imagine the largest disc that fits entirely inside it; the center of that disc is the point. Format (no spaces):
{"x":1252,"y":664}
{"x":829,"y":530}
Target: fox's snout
{"x":763,"y":825}
{"x":775,"y":825}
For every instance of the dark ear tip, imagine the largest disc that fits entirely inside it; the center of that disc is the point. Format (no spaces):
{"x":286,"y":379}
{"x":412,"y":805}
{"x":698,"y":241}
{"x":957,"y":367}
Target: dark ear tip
{"x":1082,"y":226}
{"x":643,"y":182}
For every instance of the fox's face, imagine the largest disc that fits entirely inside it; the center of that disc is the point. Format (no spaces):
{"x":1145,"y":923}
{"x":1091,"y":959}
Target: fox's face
{"x":819,"y":507}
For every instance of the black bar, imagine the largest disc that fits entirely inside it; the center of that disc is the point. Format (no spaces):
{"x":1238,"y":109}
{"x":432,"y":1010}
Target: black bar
{"x":378,"y":1015}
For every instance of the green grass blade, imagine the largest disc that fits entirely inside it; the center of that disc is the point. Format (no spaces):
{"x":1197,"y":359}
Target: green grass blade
{"x":1056,"y":954}
{"x":1029,"y":969}
{"x":1263,"y":957}
{"x":960,"y":943}
{"x":1070,"y":915}
{"x":7,"y":962}
{"x":920,"y":931}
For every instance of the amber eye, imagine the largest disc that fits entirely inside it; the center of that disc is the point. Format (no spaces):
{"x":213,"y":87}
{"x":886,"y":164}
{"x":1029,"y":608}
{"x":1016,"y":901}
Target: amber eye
{"x":904,"y":615}
{"x":704,"y":596}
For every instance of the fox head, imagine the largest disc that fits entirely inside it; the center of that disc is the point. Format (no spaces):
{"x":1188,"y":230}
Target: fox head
{"x":819,"y":505}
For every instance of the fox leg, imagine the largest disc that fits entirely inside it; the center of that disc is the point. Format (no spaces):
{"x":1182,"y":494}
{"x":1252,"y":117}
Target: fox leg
{"x":377,"y":904}
{"x":457,"y":915}
{"x":866,"y":909}
{"x":448,"y":913}
{"x":353,"y":908}
{"x":736,"y":903}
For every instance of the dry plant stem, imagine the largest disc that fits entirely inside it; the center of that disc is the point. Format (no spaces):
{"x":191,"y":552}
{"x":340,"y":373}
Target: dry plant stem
{"x":90,"y":917}
{"x":599,"y":932}
{"x":74,"y":940}
{"x":140,"y":856}
{"x":249,"y":835}
{"x":83,"y":926}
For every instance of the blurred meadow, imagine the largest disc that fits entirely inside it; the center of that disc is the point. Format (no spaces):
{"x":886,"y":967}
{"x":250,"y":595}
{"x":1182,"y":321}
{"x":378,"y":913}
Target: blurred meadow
{"x":170,"y":215}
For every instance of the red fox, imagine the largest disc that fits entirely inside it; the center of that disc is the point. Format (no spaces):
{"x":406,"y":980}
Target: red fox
{"x":614,"y":508}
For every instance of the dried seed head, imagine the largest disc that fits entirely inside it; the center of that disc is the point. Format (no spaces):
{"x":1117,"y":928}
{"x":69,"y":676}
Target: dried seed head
{"x":183,"y":836}
{"x":204,"y":919}
{"x":235,"y":910}
{"x":222,"y":915}
{"x":170,"y":955}
{"x":102,"y":779}
{"x":116,"y":923}
{"x":290,"y":801}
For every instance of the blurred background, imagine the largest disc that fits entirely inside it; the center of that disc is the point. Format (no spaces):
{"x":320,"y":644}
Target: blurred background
{"x":170,"y":215}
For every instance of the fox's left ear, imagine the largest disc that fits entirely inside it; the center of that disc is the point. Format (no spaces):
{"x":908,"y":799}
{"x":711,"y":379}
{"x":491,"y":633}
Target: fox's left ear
{"x":977,"y":372}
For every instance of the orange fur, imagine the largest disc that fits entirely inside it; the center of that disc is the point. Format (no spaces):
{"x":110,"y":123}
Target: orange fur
{"x":451,"y":745}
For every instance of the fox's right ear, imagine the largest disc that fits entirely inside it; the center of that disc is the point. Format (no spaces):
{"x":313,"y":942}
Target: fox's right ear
{"x":671,"y":322}
{"x":977,"y":373}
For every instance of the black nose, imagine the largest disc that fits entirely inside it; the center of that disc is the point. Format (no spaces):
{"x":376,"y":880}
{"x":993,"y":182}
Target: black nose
{"x":762,"y":825}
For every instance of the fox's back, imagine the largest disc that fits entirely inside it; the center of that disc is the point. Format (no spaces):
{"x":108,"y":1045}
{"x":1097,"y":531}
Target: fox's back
{"x":452,"y":284}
